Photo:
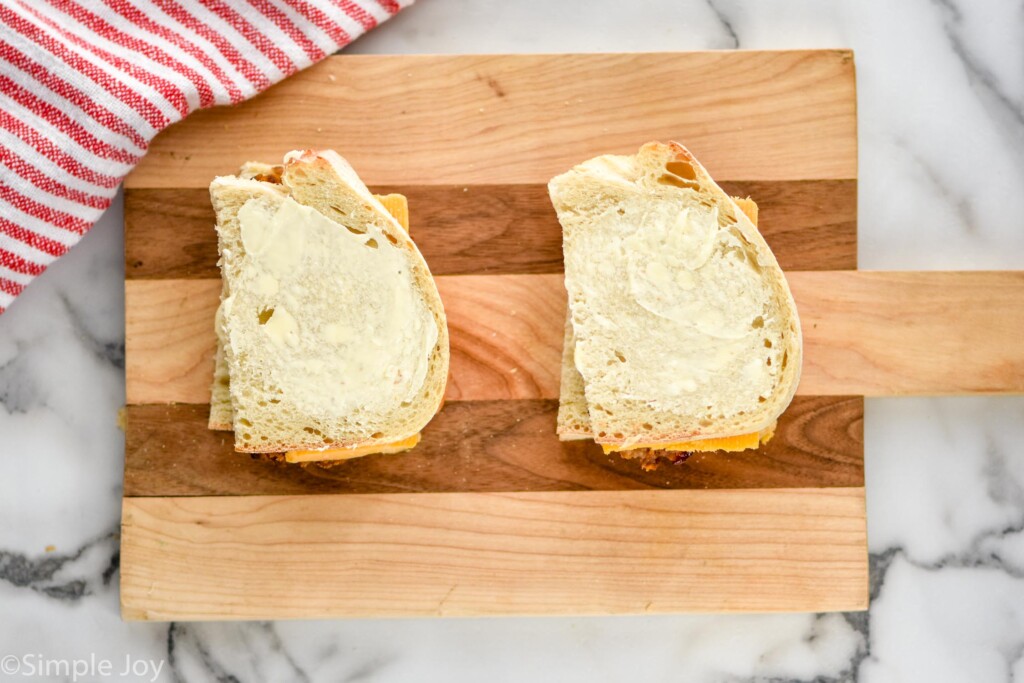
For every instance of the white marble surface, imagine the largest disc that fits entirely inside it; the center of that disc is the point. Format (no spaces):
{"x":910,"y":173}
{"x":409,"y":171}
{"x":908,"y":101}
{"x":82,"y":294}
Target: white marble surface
{"x":941,"y":97}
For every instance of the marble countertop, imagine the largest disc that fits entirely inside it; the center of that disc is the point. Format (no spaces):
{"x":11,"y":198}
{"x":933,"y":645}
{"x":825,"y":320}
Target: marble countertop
{"x":941,"y":105}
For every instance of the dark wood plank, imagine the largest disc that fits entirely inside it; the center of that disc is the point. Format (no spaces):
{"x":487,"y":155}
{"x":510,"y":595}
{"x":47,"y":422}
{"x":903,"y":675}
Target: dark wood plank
{"x":489,"y":446}
{"x":494,"y":229}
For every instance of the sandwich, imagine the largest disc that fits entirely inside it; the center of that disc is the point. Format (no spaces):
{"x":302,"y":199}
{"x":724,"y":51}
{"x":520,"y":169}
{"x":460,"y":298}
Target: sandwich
{"x":332,"y":339}
{"x":681,"y":334}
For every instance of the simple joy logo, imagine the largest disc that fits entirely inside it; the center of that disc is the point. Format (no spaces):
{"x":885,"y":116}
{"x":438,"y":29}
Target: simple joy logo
{"x":80,"y":669}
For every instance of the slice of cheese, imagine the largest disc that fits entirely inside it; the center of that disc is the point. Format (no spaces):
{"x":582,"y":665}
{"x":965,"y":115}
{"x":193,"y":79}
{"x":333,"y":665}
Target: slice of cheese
{"x":398,"y":206}
{"x":728,"y":443}
{"x":349,"y":453}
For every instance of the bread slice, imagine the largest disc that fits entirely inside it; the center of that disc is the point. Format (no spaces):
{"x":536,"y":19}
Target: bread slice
{"x":573,"y":422}
{"x":221,"y":414}
{"x":336,"y":336}
{"x":574,"y":416}
{"x":684,"y":325}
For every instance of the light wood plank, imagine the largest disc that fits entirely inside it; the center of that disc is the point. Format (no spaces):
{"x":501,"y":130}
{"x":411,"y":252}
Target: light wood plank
{"x":912,"y":333}
{"x":489,"y":446}
{"x":169,"y":340}
{"x":494,"y":119}
{"x":494,"y":229}
{"x":865,"y":333}
{"x":440,"y":554}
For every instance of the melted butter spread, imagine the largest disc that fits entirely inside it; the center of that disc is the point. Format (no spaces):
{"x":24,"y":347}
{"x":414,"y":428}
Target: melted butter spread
{"x":672,"y":274}
{"x":684,"y":315}
{"x":347,"y":327}
{"x":281,"y":329}
{"x":271,"y":240}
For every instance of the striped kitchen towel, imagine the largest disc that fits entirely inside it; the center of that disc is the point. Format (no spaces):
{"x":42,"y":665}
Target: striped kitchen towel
{"x":86,"y":84}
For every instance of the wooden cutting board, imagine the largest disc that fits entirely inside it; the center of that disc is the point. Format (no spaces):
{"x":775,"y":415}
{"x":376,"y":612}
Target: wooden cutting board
{"x":491,"y":514}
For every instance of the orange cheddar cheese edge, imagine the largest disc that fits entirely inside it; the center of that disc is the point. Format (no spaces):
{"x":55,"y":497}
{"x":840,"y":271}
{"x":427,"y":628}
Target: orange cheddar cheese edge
{"x":349,"y":453}
{"x":398,"y":206}
{"x":726,"y":443}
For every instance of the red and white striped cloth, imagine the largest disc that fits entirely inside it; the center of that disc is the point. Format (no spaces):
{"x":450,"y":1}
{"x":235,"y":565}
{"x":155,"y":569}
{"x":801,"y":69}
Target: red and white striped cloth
{"x":86,"y":84}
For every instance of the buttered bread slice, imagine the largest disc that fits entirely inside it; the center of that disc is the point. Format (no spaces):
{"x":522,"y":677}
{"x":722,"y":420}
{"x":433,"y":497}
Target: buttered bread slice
{"x":682,"y":326}
{"x":335,"y":336}
{"x":574,"y":417}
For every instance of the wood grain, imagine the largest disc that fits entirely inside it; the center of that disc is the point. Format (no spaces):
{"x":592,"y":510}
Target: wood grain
{"x":913,"y":333}
{"x":489,"y":446}
{"x":494,"y":229}
{"x":499,"y":119}
{"x":445,"y":554}
{"x":865,"y":333}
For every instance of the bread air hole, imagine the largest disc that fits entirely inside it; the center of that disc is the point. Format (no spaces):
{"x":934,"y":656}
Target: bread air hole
{"x":761,"y":399}
{"x":391,"y":238}
{"x":757,"y":323}
{"x":681,"y":169}
{"x":355,"y":231}
{"x":647,"y":426}
{"x":377,"y":435}
{"x":767,"y":343}
{"x":705,"y":422}
{"x":785,"y":358}
{"x":669,"y":179}
{"x":265,"y":315}
{"x":245,"y":422}
{"x":618,"y":354}
{"x":736,"y":253}
{"x":371,"y":243}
